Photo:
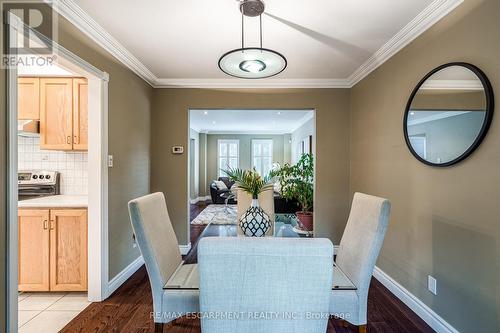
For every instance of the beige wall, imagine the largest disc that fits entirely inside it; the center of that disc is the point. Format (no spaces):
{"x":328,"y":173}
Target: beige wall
{"x":3,"y":195}
{"x":170,"y":127}
{"x":445,"y":221}
{"x":129,"y":142}
{"x":203,"y":187}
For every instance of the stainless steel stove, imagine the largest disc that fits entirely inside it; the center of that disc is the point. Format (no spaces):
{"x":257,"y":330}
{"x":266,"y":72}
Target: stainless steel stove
{"x":37,"y":183}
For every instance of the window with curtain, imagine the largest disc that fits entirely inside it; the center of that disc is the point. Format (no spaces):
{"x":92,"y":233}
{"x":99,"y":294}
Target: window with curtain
{"x":228,"y":155}
{"x":262,"y":156}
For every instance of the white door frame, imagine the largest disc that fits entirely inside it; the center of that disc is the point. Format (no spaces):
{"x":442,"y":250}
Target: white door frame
{"x":98,"y":276}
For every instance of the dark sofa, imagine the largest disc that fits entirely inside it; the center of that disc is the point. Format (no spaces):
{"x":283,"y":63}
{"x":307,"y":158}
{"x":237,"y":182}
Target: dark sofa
{"x":215,"y":192}
{"x":281,"y":205}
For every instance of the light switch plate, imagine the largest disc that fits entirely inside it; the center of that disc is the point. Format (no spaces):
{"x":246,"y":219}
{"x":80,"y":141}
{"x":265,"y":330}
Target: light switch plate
{"x":110,"y":161}
{"x":432,"y":284}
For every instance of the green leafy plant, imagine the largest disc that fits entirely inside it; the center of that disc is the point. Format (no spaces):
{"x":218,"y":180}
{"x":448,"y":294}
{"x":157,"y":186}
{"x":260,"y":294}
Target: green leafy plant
{"x":296,"y":181}
{"x":250,"y":181}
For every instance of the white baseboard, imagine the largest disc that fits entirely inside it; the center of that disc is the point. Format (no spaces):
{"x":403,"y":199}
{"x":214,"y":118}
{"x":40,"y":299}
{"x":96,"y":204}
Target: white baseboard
{"x":205,"y":198}
{"x":420,"y":308}
{"x":121,"y":277}
{"x":185,"y":248}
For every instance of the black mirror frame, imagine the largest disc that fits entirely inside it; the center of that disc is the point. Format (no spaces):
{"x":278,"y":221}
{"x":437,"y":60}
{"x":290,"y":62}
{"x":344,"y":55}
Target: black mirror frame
{"x":490,"y":106}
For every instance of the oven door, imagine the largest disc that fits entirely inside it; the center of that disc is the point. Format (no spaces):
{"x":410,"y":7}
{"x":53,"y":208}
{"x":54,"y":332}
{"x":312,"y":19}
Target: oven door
{"x":35,"y":191}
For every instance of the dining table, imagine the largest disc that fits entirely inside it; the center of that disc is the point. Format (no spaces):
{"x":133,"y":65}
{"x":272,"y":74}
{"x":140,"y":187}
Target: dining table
{"x":190,"y":280}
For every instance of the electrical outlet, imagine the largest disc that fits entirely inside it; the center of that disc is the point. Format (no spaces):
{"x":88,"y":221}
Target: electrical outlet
{"x":110,"y":161}
{"x":432,"y":284}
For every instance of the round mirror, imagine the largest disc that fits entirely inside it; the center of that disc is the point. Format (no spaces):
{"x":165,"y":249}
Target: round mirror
{"x":448,"y":114}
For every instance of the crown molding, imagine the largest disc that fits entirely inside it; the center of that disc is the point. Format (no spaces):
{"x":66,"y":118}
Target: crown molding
{"x":308,"y":116}
{"x":422,"y":22}
{"x":439,"y":116}
{"x":242,"y":83}
{"x":452,"y":85}
{"x":78,"y":17}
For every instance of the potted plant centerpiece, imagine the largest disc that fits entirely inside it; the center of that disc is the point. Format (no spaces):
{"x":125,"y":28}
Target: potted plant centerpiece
{"x":254,"y":222}
{"x":296,"y":182}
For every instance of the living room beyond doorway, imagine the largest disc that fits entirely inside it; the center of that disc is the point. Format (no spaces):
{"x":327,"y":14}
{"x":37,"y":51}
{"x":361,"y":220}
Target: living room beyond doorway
{"x":263,"y":141}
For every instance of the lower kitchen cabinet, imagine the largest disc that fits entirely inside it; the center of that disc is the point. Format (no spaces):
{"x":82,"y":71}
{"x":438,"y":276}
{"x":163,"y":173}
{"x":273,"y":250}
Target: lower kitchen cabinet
{"x":33,"y":250}
{"x":52,"y":250}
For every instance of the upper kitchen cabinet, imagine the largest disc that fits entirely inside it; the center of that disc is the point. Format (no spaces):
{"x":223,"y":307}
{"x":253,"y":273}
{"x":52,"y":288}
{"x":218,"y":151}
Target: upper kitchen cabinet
{"x":56,"y":113}
{"x":80,"y":114}
{"x":63,"y":114}
{"x":28,"y":98}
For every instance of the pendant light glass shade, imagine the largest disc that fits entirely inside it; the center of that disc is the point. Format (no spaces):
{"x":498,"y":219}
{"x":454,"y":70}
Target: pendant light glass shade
{"x":252,"y":63}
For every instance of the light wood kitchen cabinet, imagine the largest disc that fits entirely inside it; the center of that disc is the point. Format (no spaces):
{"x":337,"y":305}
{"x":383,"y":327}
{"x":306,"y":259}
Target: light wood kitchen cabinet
{"x":33,"y":250}
{"x":53,"y":250}
{"x":56,"y":113}
{"x":28,"y":98}
{"x":63,"y":113}
{"x":68,"y":250}
{"x":80,"y":114}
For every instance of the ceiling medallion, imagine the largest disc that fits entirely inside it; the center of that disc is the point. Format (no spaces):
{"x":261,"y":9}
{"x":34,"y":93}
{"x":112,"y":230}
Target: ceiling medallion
{"x":252,"y":62}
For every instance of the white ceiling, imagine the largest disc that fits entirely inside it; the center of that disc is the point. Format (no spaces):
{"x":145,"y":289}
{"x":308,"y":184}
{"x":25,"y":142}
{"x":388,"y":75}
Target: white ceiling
{"x":248,"y":121}
{"x":181,"y":40}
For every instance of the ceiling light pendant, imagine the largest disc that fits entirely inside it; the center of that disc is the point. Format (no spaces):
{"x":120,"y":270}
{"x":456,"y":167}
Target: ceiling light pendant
{"x":252,"y":62}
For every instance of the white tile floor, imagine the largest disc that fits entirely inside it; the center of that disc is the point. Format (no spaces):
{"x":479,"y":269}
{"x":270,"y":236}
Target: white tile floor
{"x":48,"y":312}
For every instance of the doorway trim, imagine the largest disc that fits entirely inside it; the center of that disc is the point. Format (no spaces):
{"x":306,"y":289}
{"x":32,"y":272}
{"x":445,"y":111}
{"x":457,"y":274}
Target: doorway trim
{"x":278,"y":108}
{"x":98,"y":274}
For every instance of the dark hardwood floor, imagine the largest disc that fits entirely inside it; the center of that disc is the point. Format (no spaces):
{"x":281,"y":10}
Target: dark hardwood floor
{"x":129,"y":308}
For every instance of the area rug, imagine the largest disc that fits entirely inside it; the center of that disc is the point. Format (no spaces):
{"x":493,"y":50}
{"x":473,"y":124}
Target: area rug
{"x":216,"y":214}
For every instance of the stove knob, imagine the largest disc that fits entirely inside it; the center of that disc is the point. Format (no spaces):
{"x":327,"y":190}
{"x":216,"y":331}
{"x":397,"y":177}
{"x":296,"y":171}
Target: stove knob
{"x":35,"y":176}
{"x":47,"y":177}
{"x":41,"y":177}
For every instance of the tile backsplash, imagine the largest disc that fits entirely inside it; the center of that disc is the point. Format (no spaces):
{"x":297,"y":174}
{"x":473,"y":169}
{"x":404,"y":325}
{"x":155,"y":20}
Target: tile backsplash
{"x":71,"y":164}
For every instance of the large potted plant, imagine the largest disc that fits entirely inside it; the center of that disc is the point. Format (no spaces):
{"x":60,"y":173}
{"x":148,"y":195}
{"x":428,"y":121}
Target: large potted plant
{"x":254,"y":222}
{"x":296,"y":182}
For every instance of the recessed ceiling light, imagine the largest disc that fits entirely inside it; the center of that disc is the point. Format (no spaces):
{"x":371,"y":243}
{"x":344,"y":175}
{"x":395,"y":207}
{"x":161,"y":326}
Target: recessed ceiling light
{"x":213,"y":122}
{"x":279,"y":113}
{"x":205,"y":112}
{"x":412,"y":113}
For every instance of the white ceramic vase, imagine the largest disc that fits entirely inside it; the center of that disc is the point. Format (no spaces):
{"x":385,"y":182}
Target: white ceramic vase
{"x":255,"y":222}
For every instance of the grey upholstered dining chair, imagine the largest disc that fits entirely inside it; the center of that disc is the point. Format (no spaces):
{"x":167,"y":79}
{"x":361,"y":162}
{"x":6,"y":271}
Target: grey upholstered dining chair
{"x":160,"y":250}
{"x":262,"y":285}
{"x":357,"y":254}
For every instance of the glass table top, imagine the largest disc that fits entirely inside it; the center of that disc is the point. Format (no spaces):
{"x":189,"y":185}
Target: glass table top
{"x":186,"y":276}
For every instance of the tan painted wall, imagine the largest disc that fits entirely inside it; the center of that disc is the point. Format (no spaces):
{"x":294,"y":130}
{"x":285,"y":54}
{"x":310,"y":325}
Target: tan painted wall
{"x":129,"y":142}
{"x":445,"y":221}
{"x":170,"y":127}
{"x":203,"y":166}
{"x":3,"y":184}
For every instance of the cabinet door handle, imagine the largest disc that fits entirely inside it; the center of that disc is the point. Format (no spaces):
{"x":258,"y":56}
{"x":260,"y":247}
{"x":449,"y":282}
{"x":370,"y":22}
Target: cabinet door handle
{"x":76,"y":139}
{"x":68,"y":140}
{"x":51,"y":224}
{"x":45,"y":224}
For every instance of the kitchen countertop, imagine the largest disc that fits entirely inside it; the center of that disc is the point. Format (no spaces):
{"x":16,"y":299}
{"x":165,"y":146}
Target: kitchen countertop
{"x":56,"y":201}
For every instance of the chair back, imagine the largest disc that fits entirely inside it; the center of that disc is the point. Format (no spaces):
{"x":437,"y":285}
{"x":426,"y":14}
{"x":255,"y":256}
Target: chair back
{"x":156,"y":238}
{"x":287,"y":279}
{"x":266,"y":202}
{"x":362,"y":239}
